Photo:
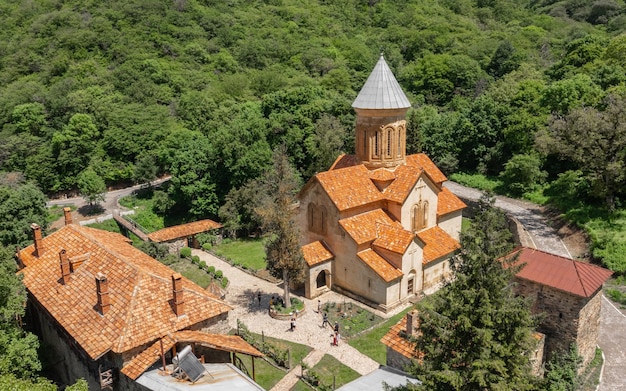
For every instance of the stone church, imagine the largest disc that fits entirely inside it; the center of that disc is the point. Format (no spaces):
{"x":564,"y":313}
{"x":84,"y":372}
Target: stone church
{"x":378,"y":225}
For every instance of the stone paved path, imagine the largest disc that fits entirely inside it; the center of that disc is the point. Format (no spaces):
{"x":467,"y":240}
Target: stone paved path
{"x":242,"y":296}
{"x":612,"y":338}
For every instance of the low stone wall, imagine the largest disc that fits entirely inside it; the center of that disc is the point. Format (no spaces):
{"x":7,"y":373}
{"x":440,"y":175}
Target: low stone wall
{"x":280,"y":316}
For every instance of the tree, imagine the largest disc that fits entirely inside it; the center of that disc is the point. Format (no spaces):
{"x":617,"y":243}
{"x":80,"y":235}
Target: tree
{"x":596,"y":141}
{"x":276,"y":210}
{"x":562,"y":371}
{"x":145,"y":169}
{"x":21,"y":204}
{"x":475,"y":334}
{"x":91,"y":186}
{"x":522,"y":173}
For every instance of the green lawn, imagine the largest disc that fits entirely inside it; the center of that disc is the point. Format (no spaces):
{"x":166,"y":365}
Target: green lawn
{"x":192,"y":272}
{"x":352,"y":318}
{"x":249,"y":253}
{"x":144,"y":215}
{"x":369,"y":343}
{"x":331,"y":372}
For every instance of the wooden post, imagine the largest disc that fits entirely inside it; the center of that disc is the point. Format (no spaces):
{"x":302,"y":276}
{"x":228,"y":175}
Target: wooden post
{"x":262,"y":336}
{"x":253,"y":370}
{"x":163,"y":357}
{"x":289,"y":358}
{"x":334,"y":382}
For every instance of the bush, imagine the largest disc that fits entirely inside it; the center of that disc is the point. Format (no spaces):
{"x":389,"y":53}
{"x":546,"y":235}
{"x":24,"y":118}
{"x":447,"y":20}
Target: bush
{"x":185,"y":252}
{"x":202,"y":265}
{"x":196,"y":260}
{"x":211,"y":269}
{"x":522,"y":173}
{"x":224,"y":282}
{"x":207,"y":246}
{"x":218,"y":274}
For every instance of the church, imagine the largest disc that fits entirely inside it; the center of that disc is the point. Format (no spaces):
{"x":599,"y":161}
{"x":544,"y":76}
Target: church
{"x":379,"y":226}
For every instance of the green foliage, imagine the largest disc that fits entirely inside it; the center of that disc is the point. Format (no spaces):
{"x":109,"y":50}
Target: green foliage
{"x":522,"y":173}
{"x":487,"y":328}
{"x":91,"y":186}
{"x":562,"y":371}
{"x":196,"y":260}
{"x":155,"y":250}
{"x":185,"y":252}
{"x":21,"y":204}
{"x":248,"y":253}
{"x":13,"y":383}
{"x":80,"y":385}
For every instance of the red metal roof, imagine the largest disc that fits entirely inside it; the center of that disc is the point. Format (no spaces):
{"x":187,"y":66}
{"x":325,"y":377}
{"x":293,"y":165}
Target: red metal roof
{"x":183,"y":230}
{"x":579,"y":278}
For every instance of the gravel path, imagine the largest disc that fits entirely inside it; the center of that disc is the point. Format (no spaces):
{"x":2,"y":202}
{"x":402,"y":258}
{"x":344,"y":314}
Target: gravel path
{"x":241,"y":295}
{"x":612,"y":338}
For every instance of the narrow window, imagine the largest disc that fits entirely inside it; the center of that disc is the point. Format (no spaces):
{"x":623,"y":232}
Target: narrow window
{"x":399,"y":151}
{"x":377,"y":144}
{"x":365,"y":143}
{"x":389,"y":142}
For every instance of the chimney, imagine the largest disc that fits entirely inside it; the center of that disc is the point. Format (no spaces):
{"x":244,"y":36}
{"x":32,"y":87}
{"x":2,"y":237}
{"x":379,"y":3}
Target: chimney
{"x":65,"y":267}
{"x":39,"y":248}
{"x":102,"y":288}
{"x":177,"y":286}
{"x":411,"y":317}
{"x":67,"y":212}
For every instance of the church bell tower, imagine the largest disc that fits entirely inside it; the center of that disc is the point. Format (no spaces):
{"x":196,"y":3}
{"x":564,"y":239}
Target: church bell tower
{"x":381,"y":108}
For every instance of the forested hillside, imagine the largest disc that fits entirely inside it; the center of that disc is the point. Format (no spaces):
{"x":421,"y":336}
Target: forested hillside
{"x":529,"y":91}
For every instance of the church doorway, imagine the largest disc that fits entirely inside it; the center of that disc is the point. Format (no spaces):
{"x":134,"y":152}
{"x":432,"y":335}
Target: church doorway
{"x":320,"y":281}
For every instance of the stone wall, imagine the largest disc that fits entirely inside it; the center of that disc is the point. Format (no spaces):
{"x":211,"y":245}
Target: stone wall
{"x":397,"y":360}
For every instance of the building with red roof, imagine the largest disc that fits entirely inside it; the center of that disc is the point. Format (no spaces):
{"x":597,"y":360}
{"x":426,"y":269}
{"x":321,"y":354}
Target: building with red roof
{"x":378,"y":225}
{"x":566,"y":294}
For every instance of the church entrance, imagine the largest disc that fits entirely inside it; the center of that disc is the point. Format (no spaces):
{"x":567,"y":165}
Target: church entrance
{"x":320,"y":281}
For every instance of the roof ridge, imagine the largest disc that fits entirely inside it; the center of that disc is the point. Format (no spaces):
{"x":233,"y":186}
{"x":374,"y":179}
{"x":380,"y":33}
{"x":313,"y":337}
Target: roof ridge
{"x":580,"y":280}
{"x":129,"y":313}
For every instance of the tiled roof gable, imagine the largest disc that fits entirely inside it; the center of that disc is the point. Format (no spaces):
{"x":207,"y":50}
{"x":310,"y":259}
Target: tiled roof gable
{"x":447,"y":202}
{"x":365,"y":227}
{"x":422,"y":161}
{"x":396,"y":340}
{"x":349,"y":187}
{"x":578,"y":278}
{"x":378,"y":264}
{"x":437,"y":244}
{"x":183,"y":230}
{"x":316,"y":253}
{"x":140,"y":292}
{"x":400,"y":188}
{"x":394,"y":238}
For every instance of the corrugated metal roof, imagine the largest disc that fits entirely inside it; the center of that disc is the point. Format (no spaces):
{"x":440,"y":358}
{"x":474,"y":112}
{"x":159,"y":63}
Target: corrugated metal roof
{"x":381,"y":90}
{"x":579,"y":278}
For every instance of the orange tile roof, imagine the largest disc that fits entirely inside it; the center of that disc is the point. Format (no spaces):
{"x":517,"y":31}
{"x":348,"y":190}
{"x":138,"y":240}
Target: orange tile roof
{"x":578,"y":278}
{"x":140,"y":291}
{"x":365,"y":227}
{"x":183,"y":230}
{"x":378,"y":264}
{"x":437,"y":243}
{"x":382,"y":175}
{"x":422,"y":161}
{"x":344,"y":161}
{"x":399,"y":189}
{"x":229,"y":343}
{"x":396,"y":340}
{"x":394,"y":238}
{"x":316,"y":252}
{"x":447,"y":202}
{"x":349,"y":187}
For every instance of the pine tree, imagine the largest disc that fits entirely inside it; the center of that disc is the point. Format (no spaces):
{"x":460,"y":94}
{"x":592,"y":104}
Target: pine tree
{"x":276,"y":210}
{"x":475,"y":334}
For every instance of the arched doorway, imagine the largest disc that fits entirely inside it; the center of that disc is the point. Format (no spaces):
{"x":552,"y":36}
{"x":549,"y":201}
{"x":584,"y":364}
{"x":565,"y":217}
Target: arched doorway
{"x":320,"y":280}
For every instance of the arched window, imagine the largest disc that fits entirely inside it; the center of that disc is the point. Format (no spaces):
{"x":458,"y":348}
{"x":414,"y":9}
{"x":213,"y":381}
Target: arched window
{"x":365,"y":143}
{"x":389,"y":142}
{"x":316,"y":216}
{"x":377,"y":144}
{"x":322,"y":220}
{"x":399,"y":134}
{"x":311,"y":216}
{"x":419,"y":216}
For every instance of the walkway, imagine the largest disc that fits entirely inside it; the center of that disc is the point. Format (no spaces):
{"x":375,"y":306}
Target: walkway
{"x":242,"y":296}
{"x":612,"y":338}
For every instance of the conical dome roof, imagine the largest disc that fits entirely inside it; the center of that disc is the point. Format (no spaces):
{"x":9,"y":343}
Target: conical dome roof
{"x":381,"y":90}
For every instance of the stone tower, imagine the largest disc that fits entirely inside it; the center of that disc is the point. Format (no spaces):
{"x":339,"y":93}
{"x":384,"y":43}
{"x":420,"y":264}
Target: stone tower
{"x":381,"y":108}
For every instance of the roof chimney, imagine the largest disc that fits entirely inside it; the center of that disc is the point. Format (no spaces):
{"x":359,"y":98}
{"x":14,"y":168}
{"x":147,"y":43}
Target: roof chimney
{"x":39,"y":248}
{"x":67,"y":212}
{"x":411,"y":317}
{"x":177,"y":286}
{"x":102,"y":288}
{"x":65,"y":267}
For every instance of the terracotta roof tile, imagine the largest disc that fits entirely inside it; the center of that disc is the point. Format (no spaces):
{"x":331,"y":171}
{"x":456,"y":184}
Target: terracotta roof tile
{"x":422,"y":161}
{"x":316,"y":252}
{"x":183,"y":230}
{"x":378,"y":264}
{"x":140,"y":291}
{"x":382,"y":175}
{"x":365,"y":227}
{"x":406,"y":177}
{"x":229,"y":343}
{"x":394,"y":238}
{"x":349,"y":187}
{"x":437,"y":243}
{"x":396,"y":340}
{"x":344,"y":161}
{"x":578,"y":278}
{"x":447,"y":202}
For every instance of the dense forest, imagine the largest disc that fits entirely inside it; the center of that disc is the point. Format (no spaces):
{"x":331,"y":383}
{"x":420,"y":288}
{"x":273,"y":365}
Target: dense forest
{"x":529,"y":92}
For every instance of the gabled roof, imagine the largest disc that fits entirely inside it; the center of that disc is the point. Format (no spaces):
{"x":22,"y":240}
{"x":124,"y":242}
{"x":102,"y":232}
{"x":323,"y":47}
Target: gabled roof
{"x":365,"y":227}
{"x":578,"y":278}
{"x":447,"y":202}
{"x":399,"y":189}
{"x":381,"y":90}
{"x":437,"y":244}
{"x":384,"y":269}
{"x":229,"y":343}
{"x":183,"y":230}
{"x":394,"y":238}
{"x":316,"y":253}
{"x":396,"y":339}
{"x":140,"y":291}
{"x":349,"y":187}
{"x":422,"y":161}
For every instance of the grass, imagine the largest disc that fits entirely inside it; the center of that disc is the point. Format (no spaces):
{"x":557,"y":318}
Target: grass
{"x":369,"y":343}
{"x":591,"y":377}
{"x":352,"y":319}
{"x":107,"y":225}
{"x":331,"y":372}
{"x":55,"y":212}
{"x":477,"y":181}
{"x":248,"y":253}
{"x":144,"y":214}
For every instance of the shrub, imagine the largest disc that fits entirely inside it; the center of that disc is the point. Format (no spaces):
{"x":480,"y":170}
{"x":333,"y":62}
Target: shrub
{"x":218,"y":274}
{"x":522,"y":173}
{"x":202,"y":264}
{"x":224,"y":282}
{"x":185,"y":252}
{"x":211,"y":269}
{"x":169,"y":260}
{"x":207,"y":246}
{"x":195,"y":259}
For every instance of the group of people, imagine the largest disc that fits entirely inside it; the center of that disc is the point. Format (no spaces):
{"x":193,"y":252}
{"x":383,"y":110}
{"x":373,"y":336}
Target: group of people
{"x":336,"y":336}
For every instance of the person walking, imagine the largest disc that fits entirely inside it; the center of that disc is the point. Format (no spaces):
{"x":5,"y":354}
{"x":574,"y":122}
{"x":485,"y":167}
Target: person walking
{"x":258,"y":295}
{"x":293,"y":324}
{"x":325,"y":322}
{"x":336,"y":327}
